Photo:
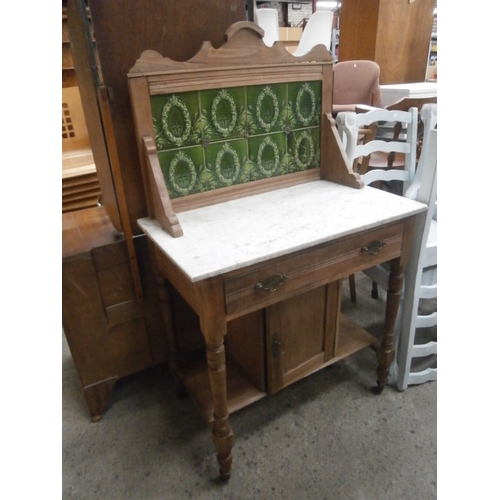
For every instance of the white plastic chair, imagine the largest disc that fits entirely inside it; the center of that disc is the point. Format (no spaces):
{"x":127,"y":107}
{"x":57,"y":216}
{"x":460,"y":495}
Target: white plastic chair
{"x":318,"y":31}
{"x":268,"y":20}
{"x":421,"y":270}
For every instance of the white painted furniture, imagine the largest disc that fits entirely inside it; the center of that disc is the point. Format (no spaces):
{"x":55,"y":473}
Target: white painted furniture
{"x":395,"y":92}
{"x":356,"y":131}
{"x":318,"y":31}
{"x":350,"y":124}
{"x":420,"y":276}
{"x":421,"y":273}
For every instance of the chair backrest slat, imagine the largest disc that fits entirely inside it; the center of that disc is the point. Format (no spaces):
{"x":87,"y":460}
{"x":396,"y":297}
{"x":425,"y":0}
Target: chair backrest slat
{"x":384,"y":146}
{"x":385,"y":115}
{"x":386,"y":176}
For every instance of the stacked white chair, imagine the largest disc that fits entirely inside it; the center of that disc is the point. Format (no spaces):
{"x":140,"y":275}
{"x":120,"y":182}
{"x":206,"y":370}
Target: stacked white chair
{"x":421,"y":275}
{"x":318,"y":31}
{"x":421,"y":270}
{"x":268,"y":20}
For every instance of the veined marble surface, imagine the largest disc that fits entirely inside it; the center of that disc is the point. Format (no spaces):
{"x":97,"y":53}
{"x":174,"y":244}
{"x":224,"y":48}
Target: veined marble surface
{"x":234,"y":234}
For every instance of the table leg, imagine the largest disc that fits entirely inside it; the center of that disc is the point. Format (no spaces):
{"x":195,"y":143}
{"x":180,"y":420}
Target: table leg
{"x":222,"y":434}
{"x":386,"y":353}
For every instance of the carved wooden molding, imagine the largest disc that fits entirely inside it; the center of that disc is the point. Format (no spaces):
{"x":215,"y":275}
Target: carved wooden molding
{"x":335,"y":165}
{"x":244,"y":46}
{"x":162,"y":206}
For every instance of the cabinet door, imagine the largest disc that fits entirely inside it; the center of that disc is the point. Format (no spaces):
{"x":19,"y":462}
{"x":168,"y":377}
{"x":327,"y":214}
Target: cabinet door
{"x":301,"y":335}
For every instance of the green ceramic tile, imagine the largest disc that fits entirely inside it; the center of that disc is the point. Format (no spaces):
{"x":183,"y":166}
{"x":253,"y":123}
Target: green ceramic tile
{"x":305,"y":101}
{"x":225,"y":164}
{"x":236,"y":135}
{"x":182,"y":170}
{"x":267,"y":154}
{"x":223,"y":113}
{"x":265,"y":104}
{"x":304,"y":149}
{"x":175,"y":120}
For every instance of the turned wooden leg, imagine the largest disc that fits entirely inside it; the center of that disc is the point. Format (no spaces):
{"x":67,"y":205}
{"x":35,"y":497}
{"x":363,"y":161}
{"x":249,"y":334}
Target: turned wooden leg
{"x":222,"y":434}
{"x":385,"y":353}
{"x":352,"y":287}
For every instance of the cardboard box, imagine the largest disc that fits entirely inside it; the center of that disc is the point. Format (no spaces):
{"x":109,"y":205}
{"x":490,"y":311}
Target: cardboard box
{"x":290,"y":37}
{"x":431,"y":74}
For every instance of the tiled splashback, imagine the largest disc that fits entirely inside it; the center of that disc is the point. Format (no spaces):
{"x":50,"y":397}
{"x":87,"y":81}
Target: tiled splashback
{"x":215,"y":138}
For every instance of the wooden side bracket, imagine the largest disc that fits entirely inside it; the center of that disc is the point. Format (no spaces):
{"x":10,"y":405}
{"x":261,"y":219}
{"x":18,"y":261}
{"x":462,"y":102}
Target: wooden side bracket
{"x":335,"y":165}
{"x":160,"y":200}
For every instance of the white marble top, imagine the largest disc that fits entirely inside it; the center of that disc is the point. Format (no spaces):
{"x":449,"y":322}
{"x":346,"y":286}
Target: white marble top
{"x":234,"y":234}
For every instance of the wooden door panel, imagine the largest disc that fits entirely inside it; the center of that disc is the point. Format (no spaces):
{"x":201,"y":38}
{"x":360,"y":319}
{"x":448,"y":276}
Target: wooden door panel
{"x":300,"y":335}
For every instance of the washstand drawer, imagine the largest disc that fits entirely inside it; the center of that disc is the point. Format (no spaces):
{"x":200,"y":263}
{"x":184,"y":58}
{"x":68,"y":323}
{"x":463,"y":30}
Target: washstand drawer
{"x":275,"y":280}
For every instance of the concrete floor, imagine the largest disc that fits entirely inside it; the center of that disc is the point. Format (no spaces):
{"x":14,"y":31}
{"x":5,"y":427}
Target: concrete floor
{"x":325,"y":437}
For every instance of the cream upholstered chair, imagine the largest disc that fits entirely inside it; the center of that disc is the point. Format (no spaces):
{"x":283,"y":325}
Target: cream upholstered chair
{"x":354,"y":83}
{"x":318,"y":31}
{"x":268,"y":20}
{"x":421,"y":270}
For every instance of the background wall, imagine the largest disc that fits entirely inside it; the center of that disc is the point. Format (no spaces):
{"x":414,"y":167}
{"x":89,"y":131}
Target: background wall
{"x":296,"y":16}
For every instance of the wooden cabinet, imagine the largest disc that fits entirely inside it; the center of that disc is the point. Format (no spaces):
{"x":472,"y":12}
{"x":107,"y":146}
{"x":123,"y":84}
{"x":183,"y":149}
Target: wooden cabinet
{"x":300,"y":335}
{"x":68,"y":67}
{"x":110,"y":333}
{"x":269,"y":349}
{"x":111,"y":314}
{"x":277,"y":338}
{"x":393,"y":33}
{"x":80,"y":184}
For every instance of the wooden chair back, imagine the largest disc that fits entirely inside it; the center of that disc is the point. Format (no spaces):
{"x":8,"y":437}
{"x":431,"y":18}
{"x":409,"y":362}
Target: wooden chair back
{"x":395,"y":131}
{"x":350,"y":123}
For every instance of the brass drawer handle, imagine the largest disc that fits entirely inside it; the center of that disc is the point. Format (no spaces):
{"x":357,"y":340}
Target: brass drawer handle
{"x":374,"y":247}
{"x":271,"y":283}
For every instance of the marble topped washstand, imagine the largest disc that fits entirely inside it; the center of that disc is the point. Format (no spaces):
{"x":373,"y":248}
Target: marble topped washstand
{"x":282,"y":254}
{"x":254,"y":219}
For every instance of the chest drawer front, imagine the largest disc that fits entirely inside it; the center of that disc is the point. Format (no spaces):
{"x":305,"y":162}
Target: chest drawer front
{"x":280,"y":278}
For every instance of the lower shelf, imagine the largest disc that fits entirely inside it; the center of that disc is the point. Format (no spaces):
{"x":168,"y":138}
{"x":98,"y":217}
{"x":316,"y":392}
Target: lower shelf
{"x":240,"y":391}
